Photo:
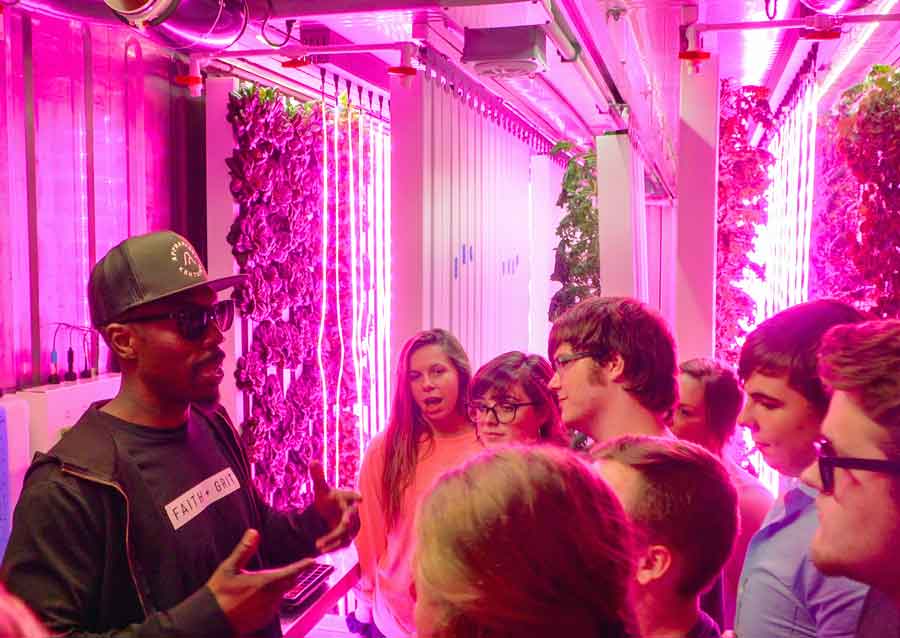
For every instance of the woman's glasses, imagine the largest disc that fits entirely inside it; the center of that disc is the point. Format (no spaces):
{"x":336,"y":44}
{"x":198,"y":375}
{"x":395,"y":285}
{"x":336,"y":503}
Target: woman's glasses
{"x":193,"y":321}
{"x":503,"y":412}
{"x":828,"y":460}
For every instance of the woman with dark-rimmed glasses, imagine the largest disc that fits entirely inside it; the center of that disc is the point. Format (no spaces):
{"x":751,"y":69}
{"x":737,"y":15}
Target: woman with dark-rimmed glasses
{"x":509,"y":402}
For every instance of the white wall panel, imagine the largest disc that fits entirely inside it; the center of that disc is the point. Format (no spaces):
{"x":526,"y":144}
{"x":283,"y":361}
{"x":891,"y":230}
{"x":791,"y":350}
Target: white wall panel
{"x":472,"y":165}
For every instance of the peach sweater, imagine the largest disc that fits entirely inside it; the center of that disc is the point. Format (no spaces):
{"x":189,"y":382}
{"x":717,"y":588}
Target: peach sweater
{"x":385,"y":557}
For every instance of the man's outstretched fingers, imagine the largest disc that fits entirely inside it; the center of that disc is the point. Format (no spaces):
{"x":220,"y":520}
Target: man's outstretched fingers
{"x":284,"y":578}
{"x":242,"y":553}
{"x":317,"y":474}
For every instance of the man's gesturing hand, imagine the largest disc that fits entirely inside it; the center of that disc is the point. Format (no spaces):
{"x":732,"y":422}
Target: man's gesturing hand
{"x":250,"y":599}
{"x":337,"y":507}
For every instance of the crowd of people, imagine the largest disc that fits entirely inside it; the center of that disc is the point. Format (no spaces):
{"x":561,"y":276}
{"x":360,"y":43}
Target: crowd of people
{"x":477,"y":515}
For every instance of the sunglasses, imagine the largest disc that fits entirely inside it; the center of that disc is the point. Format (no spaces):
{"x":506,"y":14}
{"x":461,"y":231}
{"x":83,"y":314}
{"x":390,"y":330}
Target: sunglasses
{"x":828,"y":460}
{"x":193,"y":321}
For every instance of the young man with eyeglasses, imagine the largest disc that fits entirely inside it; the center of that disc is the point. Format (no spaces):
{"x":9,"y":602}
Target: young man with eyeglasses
{"x":616,"y":373}
{"x":781,"y":594}
{"x":616,"y":369}
{"x":858,"y":469}
{"x":143,"y":520}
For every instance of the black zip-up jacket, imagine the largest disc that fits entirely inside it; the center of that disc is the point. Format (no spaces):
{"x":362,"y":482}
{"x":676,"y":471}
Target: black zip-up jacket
{"x":86,"y":531}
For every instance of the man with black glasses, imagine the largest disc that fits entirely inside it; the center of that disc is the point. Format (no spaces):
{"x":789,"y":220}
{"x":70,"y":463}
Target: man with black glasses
{"x":858,"y":469}
{"x":142,"y":519}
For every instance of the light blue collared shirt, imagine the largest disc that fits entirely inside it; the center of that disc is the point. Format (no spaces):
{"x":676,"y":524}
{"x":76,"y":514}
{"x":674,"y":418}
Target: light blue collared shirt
{"x":781,"y":593}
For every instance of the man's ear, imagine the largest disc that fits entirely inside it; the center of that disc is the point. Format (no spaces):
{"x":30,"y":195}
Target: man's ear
{"x":653,"y":564}
{"x":121,"y":340}
{"x":615,"y":368}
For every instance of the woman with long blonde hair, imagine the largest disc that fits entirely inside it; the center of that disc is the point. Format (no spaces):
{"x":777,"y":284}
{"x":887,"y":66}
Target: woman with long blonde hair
{"x":523,"y":542}
{"x":428,"y":434}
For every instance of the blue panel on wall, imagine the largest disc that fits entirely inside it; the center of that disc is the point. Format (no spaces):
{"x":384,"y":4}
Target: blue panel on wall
{"x":5,"y":505}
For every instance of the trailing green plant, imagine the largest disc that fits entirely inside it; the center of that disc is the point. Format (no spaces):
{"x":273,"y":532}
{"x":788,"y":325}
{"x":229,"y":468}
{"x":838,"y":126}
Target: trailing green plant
{"x":577,"y":265}
{"x":743,"y":180}
{"x":868,"y":123}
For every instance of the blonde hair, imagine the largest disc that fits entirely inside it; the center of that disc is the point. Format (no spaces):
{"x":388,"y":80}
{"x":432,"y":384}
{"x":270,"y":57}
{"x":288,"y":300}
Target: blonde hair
{"x":525,"y":541}
{"x":16,"y":620}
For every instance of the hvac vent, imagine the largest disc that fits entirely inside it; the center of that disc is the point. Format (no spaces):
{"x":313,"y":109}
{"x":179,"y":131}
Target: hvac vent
{"x":506,"y":52}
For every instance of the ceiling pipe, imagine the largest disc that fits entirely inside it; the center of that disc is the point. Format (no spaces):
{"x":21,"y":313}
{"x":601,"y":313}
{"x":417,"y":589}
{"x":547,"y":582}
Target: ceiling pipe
{"x":186,"y":26}
{"x":817,"y":22}
{"x":407,"y":50}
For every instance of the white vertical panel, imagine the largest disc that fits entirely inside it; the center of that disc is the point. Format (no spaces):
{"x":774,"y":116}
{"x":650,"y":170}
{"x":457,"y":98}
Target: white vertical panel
{"x":546,"y":179}
{"x":478,"y":233}
{"x":429,"y":191}
{"x":220,"y":215}
{"x":475,"y":193}
{"x":698,"y":145}
{"x":465,"y":304}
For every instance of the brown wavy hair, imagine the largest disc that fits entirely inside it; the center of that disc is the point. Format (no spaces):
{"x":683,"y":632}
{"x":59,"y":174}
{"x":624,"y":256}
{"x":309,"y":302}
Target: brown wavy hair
{"x":863,"y":360}
{"x":722,"y":395}
{"x":407,"y":429}
{"x":530,"y":371}
{"x":610,"y":326}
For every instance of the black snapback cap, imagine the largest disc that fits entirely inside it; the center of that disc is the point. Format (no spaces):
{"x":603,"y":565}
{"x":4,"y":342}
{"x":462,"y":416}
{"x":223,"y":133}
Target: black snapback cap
{"x":143,"y":269}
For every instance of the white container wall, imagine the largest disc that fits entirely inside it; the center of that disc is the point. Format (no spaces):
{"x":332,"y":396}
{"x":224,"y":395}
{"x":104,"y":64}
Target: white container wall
{"x":462,"y":211}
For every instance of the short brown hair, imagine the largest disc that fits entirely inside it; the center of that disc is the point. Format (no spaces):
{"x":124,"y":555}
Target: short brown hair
{"x":722,"y":395}
{"x":786,"y":344}
{"x":863,"y":360}
{"x":610,"y":326}
{"x":687,"y":502}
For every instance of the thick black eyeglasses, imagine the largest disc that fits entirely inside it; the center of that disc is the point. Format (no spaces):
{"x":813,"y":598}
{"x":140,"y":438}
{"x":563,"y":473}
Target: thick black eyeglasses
{"x":193,"y":321}
{"x":828,"y":460}
{"x":561,"y":361}
{"x":503,"y":412}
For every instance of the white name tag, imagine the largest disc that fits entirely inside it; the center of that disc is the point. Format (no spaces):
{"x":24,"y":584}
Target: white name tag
{"x":189,"y":505}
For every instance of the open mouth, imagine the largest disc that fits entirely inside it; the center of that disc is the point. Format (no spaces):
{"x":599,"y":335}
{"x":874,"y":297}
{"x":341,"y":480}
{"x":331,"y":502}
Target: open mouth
{"x":433,"y":401}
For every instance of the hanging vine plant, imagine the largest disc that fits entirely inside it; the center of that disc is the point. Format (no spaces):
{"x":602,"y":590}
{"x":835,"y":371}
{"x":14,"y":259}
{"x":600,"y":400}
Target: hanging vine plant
{"x":577,"y":265}
{"x":743,"y":180}
{"x":867,"y":126}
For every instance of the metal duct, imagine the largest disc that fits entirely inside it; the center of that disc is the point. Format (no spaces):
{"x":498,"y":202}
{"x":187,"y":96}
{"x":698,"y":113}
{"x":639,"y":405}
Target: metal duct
{"x":833,"y":7}
{"x":194,"y":26}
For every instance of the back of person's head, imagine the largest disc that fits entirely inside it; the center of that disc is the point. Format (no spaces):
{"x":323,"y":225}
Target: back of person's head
{"x":685,"y":501}
{"x":722,"y":395}
{"x":16,"y":620}
{"x":532,"y":373}
{"x":610,"y":326}
{"x":523,"y":542}
{"x":863,"y":360}
{"x":785,"y":344}
{"x":407,"y":427}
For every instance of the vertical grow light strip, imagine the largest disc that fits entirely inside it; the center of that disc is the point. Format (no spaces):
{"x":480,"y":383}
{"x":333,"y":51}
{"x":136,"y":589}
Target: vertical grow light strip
{"x":353,"y":175}
{"x":382,"y":355}
{"x":322,"y":375}
{"x":337,"y":280}
{"x":386,"y":250}
{"x":372,"y":336}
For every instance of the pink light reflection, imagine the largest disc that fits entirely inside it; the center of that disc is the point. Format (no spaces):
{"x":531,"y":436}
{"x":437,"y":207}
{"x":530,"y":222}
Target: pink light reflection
{"x":322,"y":376}
{"x":859,"y":37}
{"x":337,"y":286}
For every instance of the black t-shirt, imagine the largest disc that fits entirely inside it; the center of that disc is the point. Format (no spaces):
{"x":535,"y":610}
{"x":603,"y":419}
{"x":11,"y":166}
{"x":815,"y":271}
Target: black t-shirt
{"x":196,"y":491}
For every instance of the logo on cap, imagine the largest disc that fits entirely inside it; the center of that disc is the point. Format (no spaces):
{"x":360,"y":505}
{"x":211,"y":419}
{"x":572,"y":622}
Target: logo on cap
{"x":182,"y":253}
